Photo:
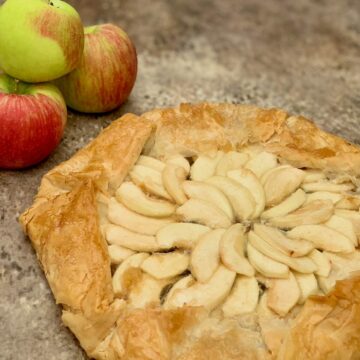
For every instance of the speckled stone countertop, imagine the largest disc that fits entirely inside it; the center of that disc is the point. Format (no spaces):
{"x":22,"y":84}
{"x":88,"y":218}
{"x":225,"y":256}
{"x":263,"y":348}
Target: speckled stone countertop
{"x":303,"y":56}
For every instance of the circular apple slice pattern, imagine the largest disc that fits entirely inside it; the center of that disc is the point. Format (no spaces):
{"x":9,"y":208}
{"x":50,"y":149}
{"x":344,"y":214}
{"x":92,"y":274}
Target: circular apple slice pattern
{"x":213,"y":230}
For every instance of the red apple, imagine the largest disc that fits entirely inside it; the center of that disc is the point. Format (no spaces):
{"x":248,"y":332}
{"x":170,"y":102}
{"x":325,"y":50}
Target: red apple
{"x":106,"y":74}
{"x":32,"y":121}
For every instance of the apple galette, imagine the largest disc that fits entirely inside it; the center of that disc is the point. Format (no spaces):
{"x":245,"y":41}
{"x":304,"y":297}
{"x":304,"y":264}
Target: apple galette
{"x":205,"y":232}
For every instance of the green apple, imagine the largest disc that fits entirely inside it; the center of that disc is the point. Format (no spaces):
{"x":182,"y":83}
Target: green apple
{"x":106,"y":74}
{"x":40,"y":40}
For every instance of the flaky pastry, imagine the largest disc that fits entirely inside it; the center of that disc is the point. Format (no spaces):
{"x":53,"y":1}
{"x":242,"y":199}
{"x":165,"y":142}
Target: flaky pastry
{"x":209,"y":231}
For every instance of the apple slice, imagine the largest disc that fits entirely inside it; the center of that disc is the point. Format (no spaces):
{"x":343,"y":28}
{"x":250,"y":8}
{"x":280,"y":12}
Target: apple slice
{"x":119,"y":253}
{"x":313,"y":176}
{"x":243,"y":297}
{"x":272,"y":171}
{"x":232,"y":250}
{"x":272,"y":328}
{"x":323,"y":238}
{"x":277,"y":239}
{"x":203,"y":212}
{"x":263,"y":310}
{"x":146,"y":291}
{"x":354,"y":216}
{"x":261,"y":163}
{"x":209,"y":295}
{"x":179,"y":161}
{"x":118,"y":235}
{"x":326,"y":284}
{"x":173,"y":177}
{"x":150,"y":180}
{"x":119,"y":278}
{"x":263,"y":280}
{"x":205,"y":257}
{"x":324,"y":195}
{"x":308,"y":285}
{"x":204,"y":166}
{"x":300,"y":264}
{"x":315,"y":212}
{"x":203,"y":191}
{"x":248,"y":179}
{"x":242,"y":201}
{"x":322,"y":262}
{"x":349,"y":202}
{"x":283,"y":294}
{"x":166,"y":265}
{"x":182,"y":235}
{"x":135,"y":199}
{"x":346,"y":262}
{"x":344,"y":226}
{"x":291,"y":203}
{"x":327,"y":186}
{"x":265,"y":265}
{"x":181,"y":284}
{"x":342,"y":266}
{"x":281,"y":183}
{"x":151,"y":162}
{"x":230,"y":161}
{"x":120,"y":215}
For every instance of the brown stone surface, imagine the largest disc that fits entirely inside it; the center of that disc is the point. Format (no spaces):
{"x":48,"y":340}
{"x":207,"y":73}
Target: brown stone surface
{"x":303,"y":56}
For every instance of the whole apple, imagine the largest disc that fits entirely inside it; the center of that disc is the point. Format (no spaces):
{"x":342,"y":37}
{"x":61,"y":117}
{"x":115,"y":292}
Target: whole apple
{"x":106,"y":74}
{"x":32,"y":121}
{"x":40,"y":40}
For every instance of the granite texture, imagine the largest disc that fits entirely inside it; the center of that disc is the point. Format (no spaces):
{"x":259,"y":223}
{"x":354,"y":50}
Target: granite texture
{"x":303,"y":56}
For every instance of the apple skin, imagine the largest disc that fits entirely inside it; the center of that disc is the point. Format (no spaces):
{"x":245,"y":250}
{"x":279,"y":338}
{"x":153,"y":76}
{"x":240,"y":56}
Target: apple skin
{"x":106,"y":74}
{"x":32,"y":122}
{"x":39,"y":42}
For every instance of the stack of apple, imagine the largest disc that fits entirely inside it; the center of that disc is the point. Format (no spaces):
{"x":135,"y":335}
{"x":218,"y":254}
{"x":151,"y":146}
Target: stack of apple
{"x":49,"y":61}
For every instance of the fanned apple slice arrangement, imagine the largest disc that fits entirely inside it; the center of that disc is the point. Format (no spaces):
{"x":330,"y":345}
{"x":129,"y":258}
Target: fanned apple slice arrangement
{"x":209,"y":234}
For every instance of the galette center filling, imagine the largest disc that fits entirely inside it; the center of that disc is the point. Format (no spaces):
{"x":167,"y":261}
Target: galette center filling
{"x":225,"y":231}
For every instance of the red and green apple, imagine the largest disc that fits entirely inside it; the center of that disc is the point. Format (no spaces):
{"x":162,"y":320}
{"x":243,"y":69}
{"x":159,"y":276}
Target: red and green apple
{"x":32,"y":122}
{"x":106,"y":74}
{"x":40,"y":40}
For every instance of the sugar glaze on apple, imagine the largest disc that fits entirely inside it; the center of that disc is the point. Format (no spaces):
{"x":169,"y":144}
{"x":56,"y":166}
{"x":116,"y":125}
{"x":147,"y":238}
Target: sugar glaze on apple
{"x":32,"y":122}
{"x":106,"y":74}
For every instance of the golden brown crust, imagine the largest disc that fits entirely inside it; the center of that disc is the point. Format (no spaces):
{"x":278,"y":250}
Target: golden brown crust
{"x":150,"y":334}
{"x":203,"y":128}
{"x":301,"y":143}
{"x":64,"y":229}
{"x":328,"y":327}
{"x":230,"y":342}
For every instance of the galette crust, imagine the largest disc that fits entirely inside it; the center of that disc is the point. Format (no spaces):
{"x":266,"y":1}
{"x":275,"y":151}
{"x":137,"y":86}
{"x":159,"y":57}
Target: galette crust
{"x":64,"y":229}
